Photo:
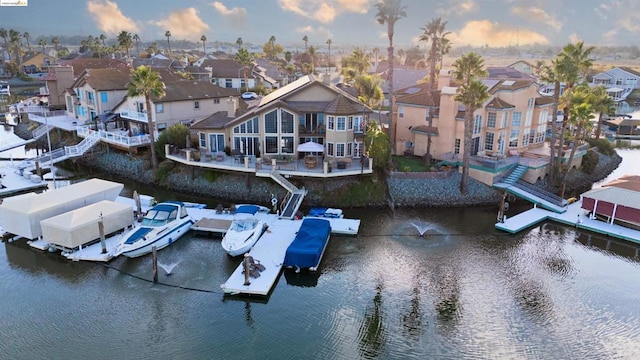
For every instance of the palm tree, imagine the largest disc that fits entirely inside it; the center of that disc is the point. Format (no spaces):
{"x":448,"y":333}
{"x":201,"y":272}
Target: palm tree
{"x":103,"y":38}
{"x":312,"y":55}
{"x":305,"y":39}
{"x":143,"y":81}
{"x":125,"y":40}
{"x":42,"y":42}
{"x":26,"y":37}
{"x":472,"y":93}
{"x":203,"y":38}
{"x":604,"y":104}
{"x":390,"y":11}
{"x":153,"y":49}
{"x":244,"y":58}
{"x":55,"y":41}
{"x":443,"y":48}
{"x":168,"y":35}
{"x":272,"y":40}
{"x":136,"y":38}
{"x":4,"y":35}
{"x":433,"y":32}
{"x":239,"y":43}
{"x":14,"y":43}
{"x":288,"y":56}
{"x":329,"y":56}
{"x":370,"y":90}
{"x":97,"y":47}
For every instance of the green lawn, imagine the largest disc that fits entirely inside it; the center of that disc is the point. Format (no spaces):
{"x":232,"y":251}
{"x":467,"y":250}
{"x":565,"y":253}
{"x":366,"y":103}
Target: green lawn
{"x":410,"y":163}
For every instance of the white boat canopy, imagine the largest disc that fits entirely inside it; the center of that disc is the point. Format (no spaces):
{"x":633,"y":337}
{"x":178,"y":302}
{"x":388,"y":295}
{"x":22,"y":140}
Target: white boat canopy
{"x":310,"y":146}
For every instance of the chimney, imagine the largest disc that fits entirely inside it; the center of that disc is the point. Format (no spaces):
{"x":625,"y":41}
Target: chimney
{"x":326,"y":78}
{"x":232,"y":106}
{"x":444,"y":78}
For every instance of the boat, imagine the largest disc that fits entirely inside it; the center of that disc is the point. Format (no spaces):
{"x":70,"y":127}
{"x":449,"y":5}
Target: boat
{"x":245,"y":230}
{"x":161,"y":226}
{"x":307,"y":248}
{"x":331,"y":213}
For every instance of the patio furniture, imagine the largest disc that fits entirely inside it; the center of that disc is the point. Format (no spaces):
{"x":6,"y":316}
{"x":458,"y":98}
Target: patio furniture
{"x":219,"y":156}
{"x":310,"y":161}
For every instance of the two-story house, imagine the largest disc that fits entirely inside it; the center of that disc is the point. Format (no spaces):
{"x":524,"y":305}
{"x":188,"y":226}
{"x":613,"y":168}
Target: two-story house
{"x":229,"y":74}
{"x":619,"y":81}
{"x":185,"y":102}
{"x":95,"y":92}
{"x":305,"y":110}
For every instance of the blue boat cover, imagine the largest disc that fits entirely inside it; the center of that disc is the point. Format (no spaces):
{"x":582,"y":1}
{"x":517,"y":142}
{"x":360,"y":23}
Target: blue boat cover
{"x":307,"y":247}
{"x":138,"y":234}
{"x":317,"y":211}
{"x":247,"y":209}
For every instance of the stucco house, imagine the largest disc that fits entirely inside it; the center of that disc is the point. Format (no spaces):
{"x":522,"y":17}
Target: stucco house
{"x":307,"y":109}
{"x":228,"y":73}
{"x":523,"y":67}
{"x":37,"y":62}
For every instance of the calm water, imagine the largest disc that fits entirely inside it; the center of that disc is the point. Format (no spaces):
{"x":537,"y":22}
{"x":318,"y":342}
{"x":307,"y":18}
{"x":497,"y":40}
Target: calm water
{"x":464,"y":290}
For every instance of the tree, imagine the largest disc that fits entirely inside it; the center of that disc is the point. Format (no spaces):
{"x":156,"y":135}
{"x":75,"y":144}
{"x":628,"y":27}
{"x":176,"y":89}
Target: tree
{"x":390,"y":11}
{"x":378,"y":145}
{"x":306,"y":40}
{"x":244,"y":58}
{"x":358,"y":61}
{"x":472,"y":93}
{"x":580,"y":116}
{"x":433,"y":32}
{"x":168,"y":35}
{"x":370,"y":90}
{"x":143,"y":81}
{"x":26,"y":37}
{"x":329,"y":56}
{"x":271,"y":49}
{"x":136,"y":38}
{"x":125,"y":41}
{"x":204,"y":41}
{"x":312,"y":54}
{"x":55,"y":42}
{"x":42,"y":42}
{"x":603,"y":104}
{"x":103,"y":38}
{"x":153,"y":49}
{"x":444,"y":47}
{"x":239,"y":43}
{"x":5,"y":36}
{"x":16,"y":46}
{"x":288,"y":56}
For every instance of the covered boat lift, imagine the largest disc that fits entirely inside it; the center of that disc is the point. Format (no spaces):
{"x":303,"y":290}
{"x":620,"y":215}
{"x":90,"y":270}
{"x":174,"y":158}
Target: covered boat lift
{"x":614,"y":204}
{"x":23,"y":215}
{"x":79,"y":227}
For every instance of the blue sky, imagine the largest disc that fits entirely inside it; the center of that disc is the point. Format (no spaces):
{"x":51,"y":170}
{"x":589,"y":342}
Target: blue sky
{"x":472,"y":22}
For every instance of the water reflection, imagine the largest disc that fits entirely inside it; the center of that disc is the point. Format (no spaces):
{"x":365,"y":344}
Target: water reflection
{"x":21,"y":256}
{"x":372,"y":333}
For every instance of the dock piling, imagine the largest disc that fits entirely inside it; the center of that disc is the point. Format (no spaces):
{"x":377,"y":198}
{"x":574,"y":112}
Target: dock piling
{"x":246,"y":263}
{"x":101,"y":231}
{"x":154,"y":253}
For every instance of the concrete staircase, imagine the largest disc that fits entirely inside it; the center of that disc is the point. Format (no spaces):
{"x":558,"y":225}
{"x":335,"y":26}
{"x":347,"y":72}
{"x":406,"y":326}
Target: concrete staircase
{"x":515,"y":175}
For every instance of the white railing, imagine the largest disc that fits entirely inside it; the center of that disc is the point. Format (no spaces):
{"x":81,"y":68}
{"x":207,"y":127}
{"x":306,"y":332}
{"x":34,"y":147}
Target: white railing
{"x":41,"y":131}
{"x":134,"y":115}
{"x":112,"y":137}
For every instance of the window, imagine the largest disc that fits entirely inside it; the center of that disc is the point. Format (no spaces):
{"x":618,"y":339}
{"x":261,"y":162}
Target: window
{"x":456,"y":147}
{"x":525,"y":137}
{"x":249,"y":145}
{"x":340,"y":149}
{"x":247,"y":127}
{"x":529,"y":117}
{"x":196,"y":105}
{"x":544,"y":116}
{"x":286,"y":122}
{"x":505,"y":120}
{"x":401,"y":111}
{"x":216,"y":142}
{"x":228,"y":83}
{"x":491,"y":120}
{"x":357,"y":149}
{"x":513,"y":138}
{"x":159,"y":108}
{"x":104,"y":97}
{"x":286,"y":143}
{"x":358,"y":124}
{"x":271,"y":122}
{"x":516,"y":120}
{"x":341,"y":123}
{"x":477,"y":125}
{"x":532,"y":136}
{"x":488,"y":141}
{"x":349,"y":149}
{"x":330,"y":123}
{"x":330,"y":149}
{"x":271,"y":144}
{"x":203,"y":140}
{"x":350,"y":123}
{"x":216,"y":101}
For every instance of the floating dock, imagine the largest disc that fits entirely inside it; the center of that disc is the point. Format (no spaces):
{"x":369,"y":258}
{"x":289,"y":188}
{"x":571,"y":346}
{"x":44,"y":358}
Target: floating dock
{"x":11,"y":182}
{"x":574,"y":216}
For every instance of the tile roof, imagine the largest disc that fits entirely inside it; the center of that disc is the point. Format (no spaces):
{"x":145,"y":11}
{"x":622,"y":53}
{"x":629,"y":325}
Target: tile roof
{"x":105,"y":79}
{"x":179,"y":90}
{"x":506,"y":73}
{"x":425,"y":129}
{"x":630,"y":70}
{"x":81,"y":64}
{"x":421,"y":98}
{"x":216,"y":120}
{"x":510,"y":85}
{"x":544,"y":100}
{"x":225,"y":68}
{"x":343,"y":106}
{"x":498,"y":104}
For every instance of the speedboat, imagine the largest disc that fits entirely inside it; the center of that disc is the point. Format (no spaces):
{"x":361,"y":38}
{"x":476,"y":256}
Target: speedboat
{"x":245,"y":230}
{"x":161,"y":226}
{"x":326,"y":213}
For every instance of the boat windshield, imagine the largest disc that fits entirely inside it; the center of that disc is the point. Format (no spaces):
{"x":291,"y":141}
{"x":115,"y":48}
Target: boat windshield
{"x":156,"y":217}
{"x":240,"y":225}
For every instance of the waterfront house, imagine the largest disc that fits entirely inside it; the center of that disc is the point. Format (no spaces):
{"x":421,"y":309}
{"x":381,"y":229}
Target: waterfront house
{"x":37,"y":62}
{"x":619,"y":81}
{"x":523,"y":66}
{"x":228,"y":73}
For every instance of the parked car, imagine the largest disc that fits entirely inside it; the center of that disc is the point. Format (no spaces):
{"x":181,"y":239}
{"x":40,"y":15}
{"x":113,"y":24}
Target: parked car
{"x":249,"y":95}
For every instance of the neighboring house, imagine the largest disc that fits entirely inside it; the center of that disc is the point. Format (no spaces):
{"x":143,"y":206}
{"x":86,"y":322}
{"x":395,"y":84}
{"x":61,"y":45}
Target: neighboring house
{"x":508,"y":73}
{"x":512,"y":120}
{"x":302,"y":111}
{"x":619,"y":81}
{"x":37,"y":62}
{"x":185,"y":102}
{"x":402,"y":78}
{"x":63,"y":75}
{"x":96,"y":92}
{"x":524,"y":67}
{"x":272,"y":73}
{"x":228,"y":74}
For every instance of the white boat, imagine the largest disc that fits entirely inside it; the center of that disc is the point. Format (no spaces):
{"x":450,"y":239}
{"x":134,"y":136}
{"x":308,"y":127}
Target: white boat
{"x":162,"y":225}
{"x":245,"y":230}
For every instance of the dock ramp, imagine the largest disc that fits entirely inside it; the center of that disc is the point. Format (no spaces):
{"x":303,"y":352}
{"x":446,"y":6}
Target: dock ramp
{"x":294,"y":198}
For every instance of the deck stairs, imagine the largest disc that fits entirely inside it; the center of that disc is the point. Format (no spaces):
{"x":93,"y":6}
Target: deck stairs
{"x":61,"y":154}
{"x":294,"y":198}
{"x":513,"y":184}
{"x":515,"y":175}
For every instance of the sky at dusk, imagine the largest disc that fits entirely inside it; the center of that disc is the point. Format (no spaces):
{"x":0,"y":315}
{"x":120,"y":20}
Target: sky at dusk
{"x":346,"y":22}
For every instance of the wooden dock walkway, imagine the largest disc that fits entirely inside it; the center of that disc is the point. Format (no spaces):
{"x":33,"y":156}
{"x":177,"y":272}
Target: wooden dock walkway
{"x":574,"y":216}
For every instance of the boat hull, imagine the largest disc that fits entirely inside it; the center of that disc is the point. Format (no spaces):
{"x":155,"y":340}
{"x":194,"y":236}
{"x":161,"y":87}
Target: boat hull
{"x":144,"y":247}
{"x":238,"y":246}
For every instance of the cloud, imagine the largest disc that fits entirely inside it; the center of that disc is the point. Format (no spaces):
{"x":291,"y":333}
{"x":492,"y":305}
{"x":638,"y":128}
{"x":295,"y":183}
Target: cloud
{"x":315,"y":35}
{"x":184,"y":23}
{"x":481,"y":32}
{"x":324,"y":11}
{"x":235,"y":15}
{"x":537,"y":15}
{"x":109,"y":17}
{"x":574,"y":38}
{"x":457,"y":8}
{"x":626,"y":14}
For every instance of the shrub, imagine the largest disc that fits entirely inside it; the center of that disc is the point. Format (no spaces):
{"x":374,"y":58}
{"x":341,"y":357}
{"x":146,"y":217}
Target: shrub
{"x":590,"y":162}
{"x":406,"y":169}
{"x":605,"y":147}
{"x":227,"y":150}
{"x":210,"y":176}
{"x":163,"y":170}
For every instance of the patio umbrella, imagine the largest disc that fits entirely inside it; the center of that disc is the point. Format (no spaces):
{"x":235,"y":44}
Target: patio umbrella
{"x":310,"y":146}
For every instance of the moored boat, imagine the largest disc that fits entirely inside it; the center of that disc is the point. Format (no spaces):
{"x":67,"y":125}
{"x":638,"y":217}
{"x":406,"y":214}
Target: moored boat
{"x":245,"y":230}
{"x":162,"y":225}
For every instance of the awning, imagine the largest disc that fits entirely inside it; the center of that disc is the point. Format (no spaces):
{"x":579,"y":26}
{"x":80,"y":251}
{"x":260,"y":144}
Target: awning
{"x":310,"y":146}
{"x":615,"y":89}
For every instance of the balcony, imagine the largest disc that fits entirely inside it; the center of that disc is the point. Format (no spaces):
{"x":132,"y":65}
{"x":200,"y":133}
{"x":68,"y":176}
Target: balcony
{"x":135,"y":115}
{"x":116,"y":137}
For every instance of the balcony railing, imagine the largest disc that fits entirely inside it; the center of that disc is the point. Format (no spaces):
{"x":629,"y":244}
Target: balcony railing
{"x":134,"y":115}
{"x":118,"y":137}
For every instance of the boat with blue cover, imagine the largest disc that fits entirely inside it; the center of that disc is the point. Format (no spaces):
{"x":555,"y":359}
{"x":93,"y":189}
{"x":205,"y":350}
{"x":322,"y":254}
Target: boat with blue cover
{"x":246,"y":229}
{"x":331,"y":213}
{"x":161,"y":226}
{"x":307,"y":248}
